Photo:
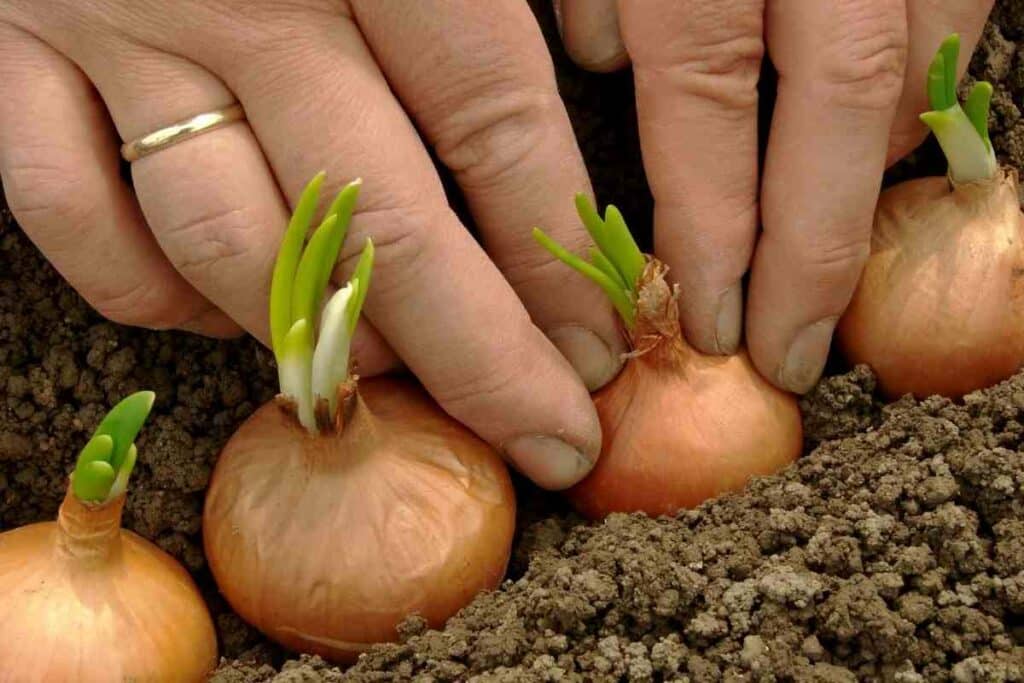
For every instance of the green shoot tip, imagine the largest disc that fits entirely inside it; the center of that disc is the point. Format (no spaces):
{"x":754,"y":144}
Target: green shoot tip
{"x":110,"y":454}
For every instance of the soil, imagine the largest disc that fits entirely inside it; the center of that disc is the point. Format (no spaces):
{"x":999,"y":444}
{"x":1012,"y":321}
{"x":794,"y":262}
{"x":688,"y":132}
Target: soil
{"x":894,"y":550}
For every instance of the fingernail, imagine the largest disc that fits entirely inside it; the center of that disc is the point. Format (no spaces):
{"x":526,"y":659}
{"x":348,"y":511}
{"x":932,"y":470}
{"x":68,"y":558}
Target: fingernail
{"x":604,"y":53}
{"x":548,"y":461}
{"x":589,"y":355}
{"x":615,"y":58}
{"x":593,"y":40}
{"x":807,"y":355}
{"x":729,"y":324}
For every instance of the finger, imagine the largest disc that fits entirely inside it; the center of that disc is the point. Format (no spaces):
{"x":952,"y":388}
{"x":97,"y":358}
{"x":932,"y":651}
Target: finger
{"x":929,"y":23}
{"x":436,"y":297}
{"x":590,"y":33}
{"x":212,"y":202}
{"x":59,"y":164}
{"x":696,"y":66}
{"x":840,"y":67}
{"x":497,"y":121}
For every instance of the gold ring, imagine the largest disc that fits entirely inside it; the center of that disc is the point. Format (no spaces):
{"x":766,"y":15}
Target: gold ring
{"x":181,"y":131}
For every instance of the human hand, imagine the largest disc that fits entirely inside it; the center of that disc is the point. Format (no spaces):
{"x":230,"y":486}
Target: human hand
{"x":341,"y":86}
{"x":851,"y":85}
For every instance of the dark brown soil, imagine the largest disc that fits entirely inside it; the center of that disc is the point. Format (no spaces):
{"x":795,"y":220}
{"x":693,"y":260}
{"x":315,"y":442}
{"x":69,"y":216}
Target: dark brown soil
{"x":894,"y":551}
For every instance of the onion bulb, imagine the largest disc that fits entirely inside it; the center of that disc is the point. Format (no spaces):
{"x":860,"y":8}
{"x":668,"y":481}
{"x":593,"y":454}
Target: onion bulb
{"x":87,"y":601}
{"x":344,"y":506}
{"x":679,"y":426}
{"x":940,"y":306}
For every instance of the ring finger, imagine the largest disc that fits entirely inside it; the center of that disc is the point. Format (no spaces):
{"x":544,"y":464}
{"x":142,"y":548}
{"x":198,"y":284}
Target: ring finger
{"x":212,"y":201}
{"x":58,"y":159}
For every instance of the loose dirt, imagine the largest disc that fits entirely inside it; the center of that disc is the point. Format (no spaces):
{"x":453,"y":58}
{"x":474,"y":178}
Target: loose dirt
{"x":893,"y":551}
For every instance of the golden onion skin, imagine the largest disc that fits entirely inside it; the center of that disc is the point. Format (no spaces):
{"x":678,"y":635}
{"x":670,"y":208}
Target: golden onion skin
{"x":327,"y":543}
{"x":84,"y":601}
{"x":681,"y":427}
{"x":940,"y":305}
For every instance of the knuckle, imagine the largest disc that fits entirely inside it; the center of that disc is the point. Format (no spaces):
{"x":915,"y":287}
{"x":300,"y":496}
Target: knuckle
{"x":714,"y":52}
{"x":863,"y":67}
{"x":728,"y":77}
{"x":495,"y":127}
{"x":402,"y":244}
{"x":49,"y":195}
{"x":210,"y":241}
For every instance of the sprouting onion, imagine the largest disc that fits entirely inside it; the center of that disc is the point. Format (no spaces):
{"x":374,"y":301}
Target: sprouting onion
{"x":679,"y":427}
{"x":344,"y":506}
{"x":85,"y":600}
{"x":104,"y":465}
{"x":940,"y":305}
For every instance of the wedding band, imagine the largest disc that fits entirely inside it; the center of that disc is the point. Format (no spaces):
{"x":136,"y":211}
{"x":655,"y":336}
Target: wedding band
{"x":181,"y":131}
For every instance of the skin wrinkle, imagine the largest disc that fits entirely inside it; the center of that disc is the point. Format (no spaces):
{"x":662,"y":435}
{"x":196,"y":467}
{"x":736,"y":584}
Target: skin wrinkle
{"x":23,"y":180}
{"x":734,"y":92}
{"x":214,"y":247}
{"x":708,"y":25}
{"x":398,"y":239}
{"x":155,"y":73}
{"x":862,"y":63}
{"x":483,"y":150}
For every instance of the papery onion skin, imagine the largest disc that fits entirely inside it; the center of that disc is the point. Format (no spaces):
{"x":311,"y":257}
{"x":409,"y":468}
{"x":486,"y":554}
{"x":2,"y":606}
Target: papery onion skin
{"x":85,"y":601}
{"x":327,"y":543}
{"x":681,"y":427}
{"x":940,"y":305}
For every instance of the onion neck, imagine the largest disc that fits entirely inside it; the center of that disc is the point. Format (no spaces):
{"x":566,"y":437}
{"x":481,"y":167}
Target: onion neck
{"x":352,"y":431}
{"x":656,"y":338}
{"x":89,"y":532}
{"x":996,"y":199}
{"x":1004,"y":176}
{"x":354,"y":423}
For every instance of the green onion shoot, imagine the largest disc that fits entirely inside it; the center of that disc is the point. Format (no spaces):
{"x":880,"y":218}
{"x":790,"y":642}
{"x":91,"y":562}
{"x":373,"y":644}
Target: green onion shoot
{"x":312,"y":361}
{"x":962,"y":131}
{"x":616,"y":262}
